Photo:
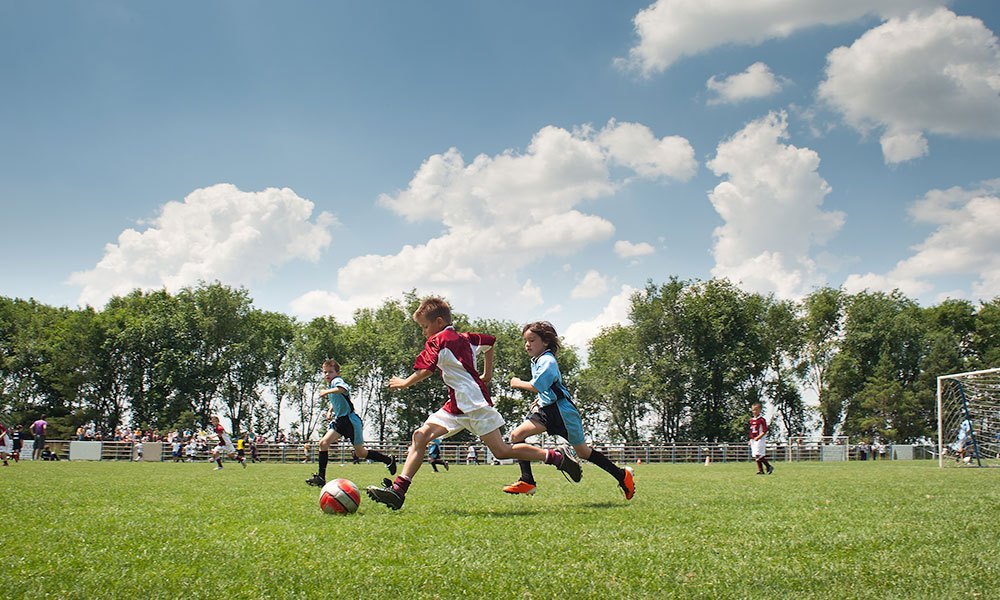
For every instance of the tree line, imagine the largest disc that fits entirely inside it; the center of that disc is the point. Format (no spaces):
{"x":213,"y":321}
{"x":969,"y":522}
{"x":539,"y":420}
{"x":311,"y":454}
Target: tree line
{"x":694,"y":357}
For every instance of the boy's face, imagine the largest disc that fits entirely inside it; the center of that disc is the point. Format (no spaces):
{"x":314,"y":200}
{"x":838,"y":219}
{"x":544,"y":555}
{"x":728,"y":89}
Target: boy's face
{"x":533,"y":344}
{"x":756,"y":410}
{"x":329,"y":373}
{"x":430,"y":327}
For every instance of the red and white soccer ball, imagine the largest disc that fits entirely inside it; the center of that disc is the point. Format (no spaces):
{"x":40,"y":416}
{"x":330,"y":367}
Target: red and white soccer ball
{"x":339,"y":497}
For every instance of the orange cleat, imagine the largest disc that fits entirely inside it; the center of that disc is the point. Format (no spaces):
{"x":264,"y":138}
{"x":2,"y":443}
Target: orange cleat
{"x":627,"y":484}
{"x":520,"y":487}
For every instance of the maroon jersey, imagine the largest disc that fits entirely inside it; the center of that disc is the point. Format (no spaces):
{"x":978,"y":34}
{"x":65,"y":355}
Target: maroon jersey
{"x":454,"y":355}
{"x":758,"y":425}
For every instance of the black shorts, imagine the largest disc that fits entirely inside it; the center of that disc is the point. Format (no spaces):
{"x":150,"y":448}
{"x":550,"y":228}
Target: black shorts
{"x":345,"y":427}
{"x":39,"y":442}
{"x":551,"y":417}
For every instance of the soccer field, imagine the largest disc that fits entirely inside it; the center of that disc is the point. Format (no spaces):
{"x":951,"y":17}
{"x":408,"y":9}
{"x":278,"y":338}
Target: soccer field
{"x":811,"y":530}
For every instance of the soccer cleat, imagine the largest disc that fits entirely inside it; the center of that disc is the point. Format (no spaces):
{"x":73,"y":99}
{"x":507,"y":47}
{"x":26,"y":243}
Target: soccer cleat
{"x":316,"y":480}
{"x":392,"y":465}
{"x":520,"y":487}
{"x":217,"y":469}
{"x":770,"y":469}
{"x":760,"y":472}
{"x":569,"y":466}
{"x":627,"y":484}
{"x":386,"y":495}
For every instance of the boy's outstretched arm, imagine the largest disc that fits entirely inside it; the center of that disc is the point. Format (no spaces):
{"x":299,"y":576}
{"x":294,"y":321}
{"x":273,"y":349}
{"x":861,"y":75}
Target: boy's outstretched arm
{"x":398,"y":383}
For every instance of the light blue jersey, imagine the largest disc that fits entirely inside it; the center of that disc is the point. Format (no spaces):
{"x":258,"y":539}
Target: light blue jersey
{"x":340,"y":403}
{"x":546,"y":378}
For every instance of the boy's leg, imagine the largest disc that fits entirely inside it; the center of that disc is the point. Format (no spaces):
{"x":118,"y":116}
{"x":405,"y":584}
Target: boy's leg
{"x":501,"y":449}
{"x":526,"y":483}
{"x":364,"y":453}
{"x":623,"y":476}
{"x":323,"y":456}
{"x":393,"y":493}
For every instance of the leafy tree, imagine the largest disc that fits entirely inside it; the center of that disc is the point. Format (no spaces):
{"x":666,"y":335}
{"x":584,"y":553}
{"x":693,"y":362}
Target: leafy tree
{"x":823,"y":322}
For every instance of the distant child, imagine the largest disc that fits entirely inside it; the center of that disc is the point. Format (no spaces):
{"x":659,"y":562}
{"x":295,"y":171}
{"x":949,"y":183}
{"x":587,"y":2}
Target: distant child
{"x":6,"y":445}
{"x":343,"y":423}
{"x":138,"y":450}
{"x":963,"y":440}
{"x":554,"y":412}
{"x":224,"y":446}
{"x":175,"y":452}
{"x":241,"y":448}
{"x":434,"y":454}
{"x":18,"y":442}
{"x":468,"y":406}
{"x":472,"y":456}
{"x":758,"y":443}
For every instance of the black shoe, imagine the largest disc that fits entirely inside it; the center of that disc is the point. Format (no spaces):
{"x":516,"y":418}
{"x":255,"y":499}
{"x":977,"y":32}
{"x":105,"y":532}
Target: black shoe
{"x":570,"y":467}
{"x":760,"y":472}
{"x":392,"y":465}
{"x":386,"y":495}
{"x":770,"y":469}
{"x":316,"y":480}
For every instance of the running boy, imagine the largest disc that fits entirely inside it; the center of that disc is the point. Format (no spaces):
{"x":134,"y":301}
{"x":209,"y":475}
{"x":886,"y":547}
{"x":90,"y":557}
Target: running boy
{"x":434,"y":453}
{"x":758,"y":445}
{"x":344,"y":423}
{"x":225,"y":445}
{"x":553,"y":411}
{"x":468,"y":406}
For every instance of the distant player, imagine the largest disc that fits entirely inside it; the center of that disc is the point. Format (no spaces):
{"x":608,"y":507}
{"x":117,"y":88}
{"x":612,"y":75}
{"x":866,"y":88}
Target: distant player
{"x":17,"y":436}
{"x":344,"y":423}
{"x":758,"y":443}
{"x":224,"y":447}
{"x":434,"y":454}
{"x":963,"y":439}
{"x":6,"y":445}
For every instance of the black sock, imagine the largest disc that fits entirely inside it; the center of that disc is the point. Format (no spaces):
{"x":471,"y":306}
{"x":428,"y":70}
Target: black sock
{"x":605,"y":463}
{"x":377,"y":456}
{"x":324,"y":457}
{"x":526,"y":475}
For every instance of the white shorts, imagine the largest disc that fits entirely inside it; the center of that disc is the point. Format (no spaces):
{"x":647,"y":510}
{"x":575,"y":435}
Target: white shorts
{"x":758,"y":448}
{"x":479,"y":421}
{"x":225,"y":445}
{"x":6,"y":447}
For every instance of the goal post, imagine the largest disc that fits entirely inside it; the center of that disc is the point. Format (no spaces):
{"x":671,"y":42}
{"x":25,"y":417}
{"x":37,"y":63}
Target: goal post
{"x":968,"y":415}
{"x":836,"y":448}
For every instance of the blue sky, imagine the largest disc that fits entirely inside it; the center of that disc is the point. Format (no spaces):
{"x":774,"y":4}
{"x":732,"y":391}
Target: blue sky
{"x":527,"y":159}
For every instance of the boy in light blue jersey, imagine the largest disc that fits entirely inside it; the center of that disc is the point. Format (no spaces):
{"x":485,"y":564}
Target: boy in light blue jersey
{"x":343,"y":423}
{"x":553,"y":411}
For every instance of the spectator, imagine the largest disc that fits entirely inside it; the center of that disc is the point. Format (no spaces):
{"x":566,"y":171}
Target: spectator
{"x":38,"y":429}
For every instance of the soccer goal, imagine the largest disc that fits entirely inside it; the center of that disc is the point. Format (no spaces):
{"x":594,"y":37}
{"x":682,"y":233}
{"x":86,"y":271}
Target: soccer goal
{"x":968,"y":406}
{"x":823,"y":448}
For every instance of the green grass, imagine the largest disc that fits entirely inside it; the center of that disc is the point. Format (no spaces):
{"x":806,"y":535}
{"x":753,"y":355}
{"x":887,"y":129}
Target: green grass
{"x":859,"y":530}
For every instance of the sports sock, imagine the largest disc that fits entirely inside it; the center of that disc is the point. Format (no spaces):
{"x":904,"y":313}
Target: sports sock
{"x":526,"y":474}
{"x":401,"y":484}
{"x":605,"y":463}
{"x":553,"y":457}
{"x":218,"y":461}
{"x":377,"y":456}
{"x":760,"y":467}
{"x":324,"y":457}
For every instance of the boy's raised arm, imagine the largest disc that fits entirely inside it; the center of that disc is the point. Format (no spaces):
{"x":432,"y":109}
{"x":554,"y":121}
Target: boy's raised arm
{"x":398,"y":383}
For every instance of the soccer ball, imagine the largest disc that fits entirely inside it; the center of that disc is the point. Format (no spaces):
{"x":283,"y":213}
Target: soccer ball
{"x":967,"y":459}
{"x":339,"y":496}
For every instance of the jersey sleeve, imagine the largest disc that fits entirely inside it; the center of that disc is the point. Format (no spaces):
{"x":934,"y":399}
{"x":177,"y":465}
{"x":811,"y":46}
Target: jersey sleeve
{"x":338,"y":382}
{"x":428,"y":357}
{"x":547,"y":373}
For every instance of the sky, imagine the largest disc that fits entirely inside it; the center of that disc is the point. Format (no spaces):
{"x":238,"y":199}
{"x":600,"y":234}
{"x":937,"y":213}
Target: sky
{"x":527,"y":160}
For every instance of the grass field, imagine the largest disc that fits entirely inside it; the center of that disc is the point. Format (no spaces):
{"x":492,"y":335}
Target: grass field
{"x":811,"y":530}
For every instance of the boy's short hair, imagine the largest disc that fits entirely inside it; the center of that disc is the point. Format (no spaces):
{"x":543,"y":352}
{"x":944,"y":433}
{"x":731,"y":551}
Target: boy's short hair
{"x":756,"y":404}
{"x":330,"y":362}
{"x":432,"y":308}
{"x":546,"y":332}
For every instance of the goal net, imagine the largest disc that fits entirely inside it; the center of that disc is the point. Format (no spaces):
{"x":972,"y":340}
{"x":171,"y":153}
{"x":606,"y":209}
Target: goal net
{"x":823,"y":448}
{"x":969,"y":419}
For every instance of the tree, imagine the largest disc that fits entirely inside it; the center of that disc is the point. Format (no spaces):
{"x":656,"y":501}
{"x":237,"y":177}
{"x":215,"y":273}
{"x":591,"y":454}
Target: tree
{"x":823,"y":322}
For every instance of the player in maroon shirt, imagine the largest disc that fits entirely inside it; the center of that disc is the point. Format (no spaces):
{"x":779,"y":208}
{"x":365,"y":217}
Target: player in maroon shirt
{"x":758,"y":443}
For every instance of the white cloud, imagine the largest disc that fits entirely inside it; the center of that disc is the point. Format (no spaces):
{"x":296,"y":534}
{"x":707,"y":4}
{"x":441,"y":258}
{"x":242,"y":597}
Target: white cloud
{"x":671,"y":29}
{"x":592,"y":285}
{"x":616,"y":312}
{"x":756,"y":82}
{"x":530,"y":295}
{"x":626,"y":249}
{"x":216,"y":233}
{"x":503,"y":212}
{"x":901,"y":147}
{"x":936,"y":73}
{"x":634,"y":145}
{"x":966,"y":242}
{"x":771,"y":203}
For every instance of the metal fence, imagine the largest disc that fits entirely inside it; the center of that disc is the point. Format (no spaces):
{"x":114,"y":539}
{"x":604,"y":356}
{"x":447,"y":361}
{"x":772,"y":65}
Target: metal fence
{"x":456,"y":453}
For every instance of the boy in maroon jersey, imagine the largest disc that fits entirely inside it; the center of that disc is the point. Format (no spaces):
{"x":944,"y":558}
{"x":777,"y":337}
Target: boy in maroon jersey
{"x":469,"y":406}
{"x":758,"y":445}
